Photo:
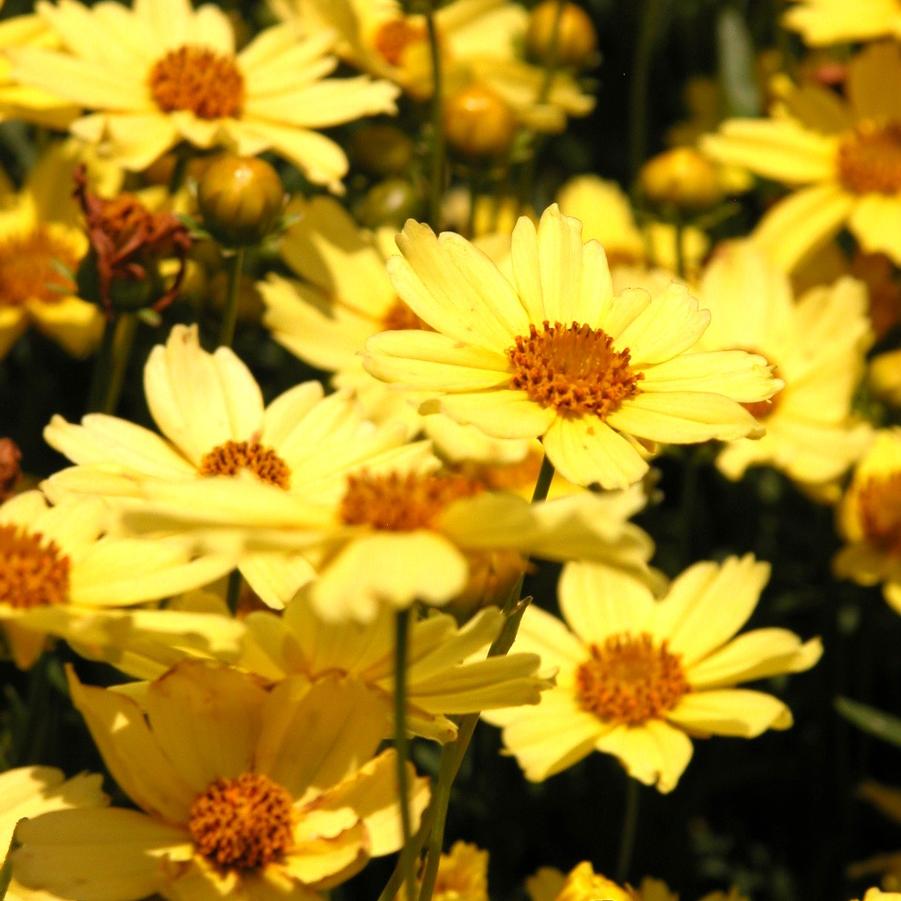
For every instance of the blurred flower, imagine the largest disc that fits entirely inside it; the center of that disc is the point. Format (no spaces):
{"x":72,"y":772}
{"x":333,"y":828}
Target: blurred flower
{"x":875,"y":894}
{"x":210,"y":410}
{"x":10,"y":471}
{"x":478,"y":123}
{"x":817,"y":348}
{"x":680,"y":178}
{"x":838,"y":22}
{"x":28,"y":792}
{"x":161,"y":73}
{"x":637,"y":677}
{"x":883,"y":283}
{"x":561,"y":34}
{"x":583,"y":884}
{"x":555,"y":355}
{"x":62,"y":574}
{"x":477,"y":39}
{"x":843,"y":156}
{"x":242,"y":792}
{"x":607,"y":217}
{"x":869,"y":519}
{"x":462,"y":874}
{"x":885,"y":376}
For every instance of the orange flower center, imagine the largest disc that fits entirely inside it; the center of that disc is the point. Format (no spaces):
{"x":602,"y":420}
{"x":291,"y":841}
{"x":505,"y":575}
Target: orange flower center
{"x":573,"y":369}
{"x":33,"y":573}
{"x":33,"y":267}
{"x":402,"y":503}
{"x":869,"y":159}
{"x":229,"y":458}
{"x":630,"y":680}
{"x":393,"y":37}
{"x":880,"y":512}
{"x":243,"y":823}
{"x":201,"y":81}
{"x":401,"y":318}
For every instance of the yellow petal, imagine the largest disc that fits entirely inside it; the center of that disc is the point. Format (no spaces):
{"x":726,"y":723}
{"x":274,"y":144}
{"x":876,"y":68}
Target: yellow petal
{"x":738,"y":712}
{"x":654,"y":753}
{"x":501,"y":413}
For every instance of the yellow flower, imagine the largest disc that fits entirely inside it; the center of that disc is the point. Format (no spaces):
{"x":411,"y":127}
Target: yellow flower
{"x":885,"y":376}
{"x":242,"y":792}
{"x":816,"y":347}
{"x":636,"y":677}
{"x":823,"y":22}
{"x":478,"y":41}
{"x":462,"y":875}
{"x":61,"y":574}
{"x":40,"y":249}
{"x":161,"y":73}
{"x":607,"y":217}
{"x":32,"y":790}
{"x":401,"y":531}
{"x":843,"y":157}
{"x":583,"y":884}
{"x":555,"y":355}
{"x":210,"y":410}
{"x":875,"y":894}
{"x":870,"y":519}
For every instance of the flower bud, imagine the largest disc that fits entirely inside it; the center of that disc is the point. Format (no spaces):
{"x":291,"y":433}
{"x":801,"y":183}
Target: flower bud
{"x":381,"y":149}
{"x":390,"y":202}
{"x":681,"y":177}
{"x":577,"y":41}
{"x":240,"y":199}
{"x":10,"y":457}
{"x":479,"y":123}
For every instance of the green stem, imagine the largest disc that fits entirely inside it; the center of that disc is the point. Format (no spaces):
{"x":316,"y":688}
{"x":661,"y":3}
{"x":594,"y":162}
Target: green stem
{"x":641,"y":70}
{"x":6,"y":870}
{"x":553,"y":55}
{"x":102,"y":367}
{"x":401,"y":744}
{"x":182,"y":155}
{"x":122,"y":344}
{"x":679,"y":233}
{"x":233,"y":591}
{"x":436,"y":187}
{"x":474,"y":186}
{"x":630,"y":831}
{"x":230,"y":313}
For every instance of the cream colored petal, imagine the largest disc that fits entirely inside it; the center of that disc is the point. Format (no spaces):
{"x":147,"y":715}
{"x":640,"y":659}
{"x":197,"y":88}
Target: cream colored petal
{"x":654,"y":753}
{"x":74,"y":524}
{"x":755,"y":655}
{"x":560,"y":266}
{"x":548,"y":637}
{"x":875,"y":222}
{"x":23,"y":509}
{"x":430,"y":361}
{"x":501,"y":413}
{"x":526,"y":268}
{"x":316,"y":735}
{"x":206,"y":719}
{"x":324,"y":862}
{"x":135,"y":141}
{"x":131,"y":754}
{"x":598,"y":601}
{"x":276,"y":577}
{"x":797,"y":226}
{"x":281,"y":417}
{"x":738,"y":712}
{"x":395,"y":569}
{"x":586,"y":450}
{"x":707,"y":604}
{"x":734,"y":373}
{"x":98,"y":854}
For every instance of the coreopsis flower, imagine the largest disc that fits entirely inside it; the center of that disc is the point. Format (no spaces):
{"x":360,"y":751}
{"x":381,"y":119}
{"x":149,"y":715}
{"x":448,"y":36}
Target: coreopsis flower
{"x":582,"y":883}
{"x":554,"y":354}
{"x":841,"y":156}
{"x":40,"y":248}
{"x":869,"y":519}
{"x":636,"y":676}
{"x":178,"y":78}
{"x":817,"y":348}
{"x":242,"y":791}
{"x":606,"y":216}
{"x":62,"y":574}
{"x":33,"y":790}
{"x":823,"y":22}
{"x":462,"y":875}
{"x":478,"y":41}
{"x":875,"y":894}
{"x":210,"y":411}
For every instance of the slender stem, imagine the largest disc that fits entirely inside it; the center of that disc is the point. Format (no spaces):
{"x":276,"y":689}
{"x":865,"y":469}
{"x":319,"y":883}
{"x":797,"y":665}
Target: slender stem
{"x":230,"y":314}
{"x":641,"y":70}
{"x":553,"y":55}
{"x":182,"y":155}
{"x":233,"y":591}
{"x":543,"y":482}
{"x":6,"y":870}
{"x":474,"y":187}
{"x":123,"y":340}
{"x":402,"y":623}
{"x":630,"y":830}
{"x":680,"y":247}
{"x":102,"y":367}
{"x":436,"y":186}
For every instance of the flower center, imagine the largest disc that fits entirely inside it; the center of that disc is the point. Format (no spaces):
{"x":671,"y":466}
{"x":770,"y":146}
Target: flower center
{"x":630,"y":680}
{"x":573,"y":369}
{"x":401,"y":318}
{"x":229,"y":458}
{"x":402,"y":503}
{"x":33,"y":267}
{"x":393,"y":37}
{"x":880,"y":512}
{"x":33,"y":572}
{"x":869,"y":159}
{"x":201,"y":81}
{"x":243,"y":823}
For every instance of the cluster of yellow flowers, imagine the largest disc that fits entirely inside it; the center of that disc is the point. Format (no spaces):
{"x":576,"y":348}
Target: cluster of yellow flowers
{"x":284,"y":587}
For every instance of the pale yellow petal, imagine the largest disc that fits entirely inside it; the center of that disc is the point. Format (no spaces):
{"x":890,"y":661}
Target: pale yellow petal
{"x":876,"y":222}
{"x":739,"y":712}
{"x":501,"y":413}
{"x":654,"y":753}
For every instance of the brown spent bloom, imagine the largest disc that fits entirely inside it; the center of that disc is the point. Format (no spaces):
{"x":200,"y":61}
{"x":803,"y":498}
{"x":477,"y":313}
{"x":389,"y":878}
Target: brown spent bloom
{"x":10,"y":470}
{"x":127,"y":241}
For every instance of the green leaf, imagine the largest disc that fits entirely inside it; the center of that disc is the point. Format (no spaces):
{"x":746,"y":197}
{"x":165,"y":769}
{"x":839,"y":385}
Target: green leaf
{"x":736,"y":61}
{"x":871,"y":720}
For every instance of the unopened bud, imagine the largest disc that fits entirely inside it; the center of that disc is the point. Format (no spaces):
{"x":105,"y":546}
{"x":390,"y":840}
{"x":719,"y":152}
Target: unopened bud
{"x":390,"y":202}
{"x":381,"y":149}
{"x":479,"y":123}
{"x":10,"y":457}
{"x":681,"y":177}
{"x":240,"y":199}
{"x":576,"y":40}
